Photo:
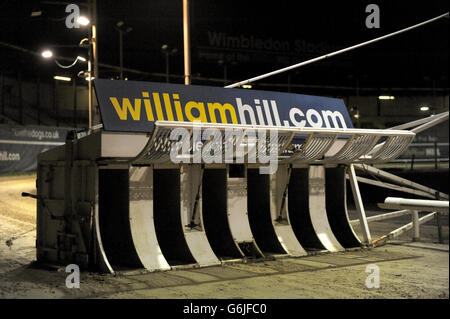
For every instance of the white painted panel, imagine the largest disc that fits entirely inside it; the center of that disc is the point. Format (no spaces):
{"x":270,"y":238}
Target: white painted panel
{"x":284,"y":231}
{"x":200,"y":249}
{"x":141,"y":220}
{"x":288,"y":240}
{"x":237,"y":210}
{"x":317,"y":209}
{"x":190,"y":180}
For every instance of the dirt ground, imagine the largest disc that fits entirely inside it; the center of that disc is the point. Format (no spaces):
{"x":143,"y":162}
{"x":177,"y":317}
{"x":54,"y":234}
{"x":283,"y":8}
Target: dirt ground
{"x":407,"y":269}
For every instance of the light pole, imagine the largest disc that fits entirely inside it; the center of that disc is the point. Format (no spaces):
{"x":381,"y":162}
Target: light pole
{"x":122,"y":29}
{"x":93,"y":57}
{"x":186,"y":41}
{"x":87,"y":42}
{"x":167,"y":51}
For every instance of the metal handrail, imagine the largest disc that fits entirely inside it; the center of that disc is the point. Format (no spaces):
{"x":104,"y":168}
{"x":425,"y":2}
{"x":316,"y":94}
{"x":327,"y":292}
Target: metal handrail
{"x":415,"y":204}
{"x":359,"y":142}
{"x":408,"y":207}
{"x":284,"y":129}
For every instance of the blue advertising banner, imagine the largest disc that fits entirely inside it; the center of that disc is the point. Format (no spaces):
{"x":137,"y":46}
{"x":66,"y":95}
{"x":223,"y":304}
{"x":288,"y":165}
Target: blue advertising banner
{"x":133,"y":106}
{"x":20,"y":145}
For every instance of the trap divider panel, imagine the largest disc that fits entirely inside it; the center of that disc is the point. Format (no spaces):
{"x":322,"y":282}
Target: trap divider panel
{"x":168,"y":223}
{"x":192,"y":216}
{"x":336,"y":204}
{"x":113,"y":211}
{"x":99,"y":254}
{"x":141,"y":219}
{"x":299,"y":216}
{"x":318,"y":211}
{"x":279,"y":200}
{"x":237,"y":212}
{"x":258,"y":201}
{"x":214,"y":206}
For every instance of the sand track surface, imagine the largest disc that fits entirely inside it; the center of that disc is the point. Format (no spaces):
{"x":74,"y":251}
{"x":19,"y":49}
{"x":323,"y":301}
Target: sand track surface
{"x":407,"y":269}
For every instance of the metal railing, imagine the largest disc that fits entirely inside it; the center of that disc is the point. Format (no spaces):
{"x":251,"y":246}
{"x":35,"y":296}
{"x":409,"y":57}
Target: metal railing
{"x":410,"y":207}
{"x":318,"y":145}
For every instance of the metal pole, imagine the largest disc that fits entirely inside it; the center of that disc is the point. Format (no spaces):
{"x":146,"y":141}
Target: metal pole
{"x":90,"y":90}
{"x":187,"y":54}
{"x":94,"y":74}
{"x":397,"y":232}
{"x":383,"y":216}
{"x":333,"y":53}
{"x":94,"y":38}
{"x":431,"y":123}
{"x":399,"y":180}
{"x":418,"y":122}
{"x":439,"y":222}
{"x":435,"y":156}
{"x":439,"y":205}
{"x":415,"y":221}
{"x":439,"y":226}
{"x":359,"y":205}
{"x":393,"y":186}
{"x":90,"y":62}
{"x":412,"y":161}
{"x":95,"y":60}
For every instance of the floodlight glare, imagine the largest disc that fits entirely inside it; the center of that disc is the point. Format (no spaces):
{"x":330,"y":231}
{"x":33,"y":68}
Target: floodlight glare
{"x":62,"y":78}
{"x":36,"y":13}
{"x":424,"y":108}
{"x":83,"y":20}
{"x":386,"y":97}
{"x":46,"y":54}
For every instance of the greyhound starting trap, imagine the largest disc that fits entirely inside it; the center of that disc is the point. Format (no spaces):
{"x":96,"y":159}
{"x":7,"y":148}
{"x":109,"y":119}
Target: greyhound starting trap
{"x":115,"y":200}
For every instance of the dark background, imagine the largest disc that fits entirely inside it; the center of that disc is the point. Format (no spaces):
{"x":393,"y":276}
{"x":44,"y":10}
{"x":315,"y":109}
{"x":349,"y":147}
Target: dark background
{"x":418,"y":58}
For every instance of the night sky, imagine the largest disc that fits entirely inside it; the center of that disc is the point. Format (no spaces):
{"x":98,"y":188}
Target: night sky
{"x":229,"y":31}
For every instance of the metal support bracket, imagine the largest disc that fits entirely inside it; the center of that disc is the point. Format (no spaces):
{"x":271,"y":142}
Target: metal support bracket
{"x":359,"y":205}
